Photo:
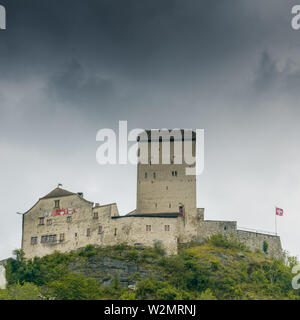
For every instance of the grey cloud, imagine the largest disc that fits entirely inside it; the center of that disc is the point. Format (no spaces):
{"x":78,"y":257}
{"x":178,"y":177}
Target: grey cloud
{"x":71,"y":67}
{"x":267,"y":73}
{"x":271,"y":79}
{"x":75,"y":86}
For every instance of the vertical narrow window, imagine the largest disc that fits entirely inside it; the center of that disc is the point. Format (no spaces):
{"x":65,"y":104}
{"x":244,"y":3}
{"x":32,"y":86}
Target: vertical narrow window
{"x":100,"y":229}
{"x":156,"y":205}
{"x":181,"y":211}
{"x":62,"y":237}
{"x":49,"y":222}
{"x":76,"y":235}
{"x":96,"y":215}
{"x":41,"y":221}
{"x":167,"y":227}
{"x":34,"y":240}
{"x":146,"y":175}
{"x":69,"y":219}
{"x":154,"y":175}
{"x":115,"y":231}
{"x":88,"y":232}
{"x":169,"y":205}
{"x":148,"y":227}
{"x":56,"y":204}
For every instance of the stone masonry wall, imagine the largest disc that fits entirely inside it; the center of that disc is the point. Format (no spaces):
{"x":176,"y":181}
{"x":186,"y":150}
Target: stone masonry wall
{"x":100,"y":225}
{"x":253,"y":240}
{"x":256,"y":241}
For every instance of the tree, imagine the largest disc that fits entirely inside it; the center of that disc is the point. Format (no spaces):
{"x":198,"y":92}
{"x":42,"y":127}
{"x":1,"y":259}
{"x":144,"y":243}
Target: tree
{"x":28,"y":291}
{"x":74,"y":287}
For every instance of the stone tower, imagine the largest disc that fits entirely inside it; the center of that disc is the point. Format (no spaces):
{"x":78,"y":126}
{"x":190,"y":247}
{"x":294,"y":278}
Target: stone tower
{"x":162,"y":183}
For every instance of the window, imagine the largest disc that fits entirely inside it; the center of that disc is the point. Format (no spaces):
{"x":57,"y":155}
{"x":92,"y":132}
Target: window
{"x":95,"y":215}
{"x":154,"y":175}
{"x":225,"y":228}
{"x":115,"y":231}
{"x":148,"y":227}
{"x":76,"y":235}
{"x":167,"y":188}
{"x":56,"y":204}
{"x":62,"y":237}
{"x":155,"y":205}
{"x":69,"y":219}
{"x":181,"y":211}
{"x":44,"y":239}
{"x":100,"y":229}
{"x":48,"y":238}
{"x":52,"y":238}
{"x":169,"y":205}
{"x":146,"y":175}
{"x":167,"y":227}
{"x":88,"y":232}
{"x":34,"y":240}
{"x":174,"y":173}
{"x":41,"y":221}
{"x":49,"y":222}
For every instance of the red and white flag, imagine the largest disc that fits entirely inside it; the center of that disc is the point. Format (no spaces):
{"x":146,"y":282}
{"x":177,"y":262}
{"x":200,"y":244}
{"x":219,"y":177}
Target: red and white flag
{"x":279,"y":212}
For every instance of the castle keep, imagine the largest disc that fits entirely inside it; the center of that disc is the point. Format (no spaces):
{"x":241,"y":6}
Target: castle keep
{"x":166,"y":211}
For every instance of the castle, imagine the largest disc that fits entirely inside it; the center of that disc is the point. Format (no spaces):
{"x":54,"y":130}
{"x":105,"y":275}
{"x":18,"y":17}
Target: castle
{"x":166,"y":210}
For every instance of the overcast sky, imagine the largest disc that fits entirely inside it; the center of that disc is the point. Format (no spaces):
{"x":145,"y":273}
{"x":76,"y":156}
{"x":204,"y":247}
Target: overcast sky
{"x":71,"y":67}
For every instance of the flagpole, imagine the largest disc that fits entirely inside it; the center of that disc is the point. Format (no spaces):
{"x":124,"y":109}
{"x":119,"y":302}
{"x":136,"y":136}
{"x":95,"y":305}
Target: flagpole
{"x":275,"y":222}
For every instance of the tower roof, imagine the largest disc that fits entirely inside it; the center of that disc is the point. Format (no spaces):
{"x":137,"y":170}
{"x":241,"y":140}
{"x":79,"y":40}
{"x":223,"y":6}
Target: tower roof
{"x":58,"y":192}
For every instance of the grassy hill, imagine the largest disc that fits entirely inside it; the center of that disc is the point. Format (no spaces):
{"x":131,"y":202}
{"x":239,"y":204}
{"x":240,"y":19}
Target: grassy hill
{"x":217,"y":269}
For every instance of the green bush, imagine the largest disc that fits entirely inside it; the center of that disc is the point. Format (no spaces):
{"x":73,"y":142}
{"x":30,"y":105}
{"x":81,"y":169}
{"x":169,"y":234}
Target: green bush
{"x":265,"y":246}
{"x":74,"y":287}
{"x":27,"y":291}
{"x":219,"y":240}
{"x":198,"y":272}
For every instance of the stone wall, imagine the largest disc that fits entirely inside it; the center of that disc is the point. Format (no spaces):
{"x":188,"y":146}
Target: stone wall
{"x":255,"y":241}
{"x":164,"y":187}
{"x":99,"y":225}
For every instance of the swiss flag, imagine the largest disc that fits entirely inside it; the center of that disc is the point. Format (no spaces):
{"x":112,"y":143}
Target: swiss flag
{"x":279,"y":212}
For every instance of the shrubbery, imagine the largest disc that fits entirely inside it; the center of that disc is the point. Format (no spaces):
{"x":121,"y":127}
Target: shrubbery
{"x":221,"y":268}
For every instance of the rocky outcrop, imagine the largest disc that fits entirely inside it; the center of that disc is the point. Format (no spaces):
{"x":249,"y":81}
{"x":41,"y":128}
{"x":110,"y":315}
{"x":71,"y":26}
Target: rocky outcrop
{"x":106,"y":269}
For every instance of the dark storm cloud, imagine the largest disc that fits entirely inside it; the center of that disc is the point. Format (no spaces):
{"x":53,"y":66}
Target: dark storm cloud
{"x":71,"y":67}
{"x":149,"y":38}
{"x":75,"y":86}
{"x":271,"y":78}
{"x":267,"y":73}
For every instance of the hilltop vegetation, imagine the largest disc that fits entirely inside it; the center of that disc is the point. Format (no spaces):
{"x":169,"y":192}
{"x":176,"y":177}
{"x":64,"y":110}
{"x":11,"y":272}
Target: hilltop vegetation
{"x":217,"y":269}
